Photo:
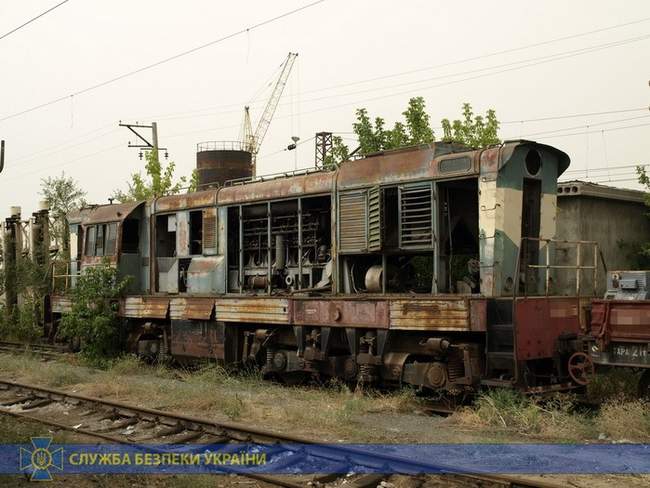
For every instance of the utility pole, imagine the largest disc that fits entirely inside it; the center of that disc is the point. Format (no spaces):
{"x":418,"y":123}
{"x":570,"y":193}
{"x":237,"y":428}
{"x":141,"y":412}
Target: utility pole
{"x":323,"y":147}
{"x":2,"y":155}
{"x":151,"y":146}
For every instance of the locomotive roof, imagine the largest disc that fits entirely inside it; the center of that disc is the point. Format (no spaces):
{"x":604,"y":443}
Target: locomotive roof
{"x":98,"y":214}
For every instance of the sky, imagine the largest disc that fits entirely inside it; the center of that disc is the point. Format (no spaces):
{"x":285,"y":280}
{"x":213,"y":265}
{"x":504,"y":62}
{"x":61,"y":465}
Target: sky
{"x":565,"y":62}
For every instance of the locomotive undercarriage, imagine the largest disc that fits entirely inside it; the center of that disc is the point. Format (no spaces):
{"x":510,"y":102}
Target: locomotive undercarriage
{"x":450,"y":364}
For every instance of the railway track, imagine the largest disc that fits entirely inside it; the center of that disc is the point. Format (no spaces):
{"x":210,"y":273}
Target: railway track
{"x":122,"y":423}
{"x":46,"y":351}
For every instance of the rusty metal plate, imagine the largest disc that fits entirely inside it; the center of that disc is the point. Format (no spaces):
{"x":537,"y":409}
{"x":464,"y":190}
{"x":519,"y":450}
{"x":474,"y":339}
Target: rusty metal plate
{"x":253,"y":310}
{"x":478,"y":315}
{"x":626,"y":320}
{"x":424,"y":314}
{"x":145,"y":307}
{"x":109,"y":213}
{"x":540,"y":321}
{"x":60,"y":304}
{"x":191,"y":308}
{"x":185,"y":201}
{"x":341,"y":313}
{"x":197,"y":339}
{"x":311,"y":184}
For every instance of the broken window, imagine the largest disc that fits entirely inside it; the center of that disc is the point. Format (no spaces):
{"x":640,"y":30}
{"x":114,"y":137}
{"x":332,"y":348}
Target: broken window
{"x":459,"y":266}
{"x":99,"y":242}
{"x":196,"y":232}
{"x":166,"y":236}
{"x":90,"y":241}
{"x":111,"y":238}
{"x":130,"y":236}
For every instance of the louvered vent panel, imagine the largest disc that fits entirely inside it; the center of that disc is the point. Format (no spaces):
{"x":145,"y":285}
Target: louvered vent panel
{"x":416,"y":230}
{"x":375,"y":223}
{"x":210,"y":229}
{"x":353,"y":221}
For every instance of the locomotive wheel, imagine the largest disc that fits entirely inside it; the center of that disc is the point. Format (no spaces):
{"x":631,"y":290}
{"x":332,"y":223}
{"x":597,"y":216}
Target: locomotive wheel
{"x":581,"y":368}
{"x":644,"y":385}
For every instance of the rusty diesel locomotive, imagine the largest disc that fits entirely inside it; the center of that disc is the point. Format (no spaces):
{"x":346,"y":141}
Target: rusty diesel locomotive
{"x":430,"y":266}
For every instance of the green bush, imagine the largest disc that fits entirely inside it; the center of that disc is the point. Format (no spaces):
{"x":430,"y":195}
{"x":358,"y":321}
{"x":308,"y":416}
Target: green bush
{"x":93,"y":319}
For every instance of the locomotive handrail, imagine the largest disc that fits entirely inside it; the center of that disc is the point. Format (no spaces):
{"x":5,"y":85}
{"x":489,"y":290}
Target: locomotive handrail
{"x":548,"y":267}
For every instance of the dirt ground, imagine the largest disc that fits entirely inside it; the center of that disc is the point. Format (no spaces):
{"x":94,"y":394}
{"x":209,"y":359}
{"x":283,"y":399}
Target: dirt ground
{"x":331,"y":413}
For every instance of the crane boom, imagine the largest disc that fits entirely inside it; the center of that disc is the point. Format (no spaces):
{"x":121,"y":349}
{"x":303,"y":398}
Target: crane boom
{"x":269,"y":110}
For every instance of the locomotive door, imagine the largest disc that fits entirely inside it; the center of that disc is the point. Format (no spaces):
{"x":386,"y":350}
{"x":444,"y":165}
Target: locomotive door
{"x":530,"y":226}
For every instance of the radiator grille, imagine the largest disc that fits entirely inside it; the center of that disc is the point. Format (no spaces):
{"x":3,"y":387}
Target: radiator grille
{"x":375,"y":223}
{"x":210,"y":228}
{"x":353,"y":222}
{"x":416,"y":217}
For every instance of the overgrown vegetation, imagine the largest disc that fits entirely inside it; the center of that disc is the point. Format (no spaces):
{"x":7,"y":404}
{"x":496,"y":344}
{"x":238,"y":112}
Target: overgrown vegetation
{"x":22,"y":322}
{"x":93,"y":320}
{"x":158,"y":181}
{"x":470,"y":130}
{"x":560,"y":417}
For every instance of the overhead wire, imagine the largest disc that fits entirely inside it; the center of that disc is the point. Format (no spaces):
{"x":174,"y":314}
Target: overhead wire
{"x":15,"y":29}
{"x":163,"y":61}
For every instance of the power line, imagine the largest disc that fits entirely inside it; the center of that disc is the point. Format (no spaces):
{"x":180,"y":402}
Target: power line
{"x":511,"y":66}
{"x":585,"y":126}
{"x":32,"y":20}
{"x":163,"y":61}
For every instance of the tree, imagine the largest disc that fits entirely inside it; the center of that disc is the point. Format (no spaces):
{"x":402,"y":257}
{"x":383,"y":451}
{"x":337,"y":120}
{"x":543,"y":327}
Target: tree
{"x":93,"y":317}
{"x":473,"y":131}
{"x":63,"y":195}
{"x":337,"y":154}
{"x":158,"y":181}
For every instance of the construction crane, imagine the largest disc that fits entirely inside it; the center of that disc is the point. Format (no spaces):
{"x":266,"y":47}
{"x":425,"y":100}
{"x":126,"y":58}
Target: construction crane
{"x":253,"y":140}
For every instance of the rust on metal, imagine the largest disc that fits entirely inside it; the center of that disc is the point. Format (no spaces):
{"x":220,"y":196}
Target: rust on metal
{"x":196,"y":339}
{"x":199,"y":199}
{"x":341,"y":313}
{"x":254,"y":310}
{"x":623,"y":320}
{"x":545,"y":319}
{"x":105,"y":213}
{"x":430,"y":314}
{"x":191,"y":308}
{"x":478,"y":315}
{"x":60,"y":303}
{"x":145,"y":307}
{"x":302,"y":185}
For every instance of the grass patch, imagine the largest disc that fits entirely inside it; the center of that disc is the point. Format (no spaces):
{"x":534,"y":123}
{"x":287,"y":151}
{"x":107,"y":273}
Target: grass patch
{"x":618,"y":384}
{"x":554,"y":417}
{"x":622,"y":420}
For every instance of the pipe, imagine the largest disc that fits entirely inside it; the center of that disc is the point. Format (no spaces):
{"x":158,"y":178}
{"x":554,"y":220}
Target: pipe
{"x":280,"y":252}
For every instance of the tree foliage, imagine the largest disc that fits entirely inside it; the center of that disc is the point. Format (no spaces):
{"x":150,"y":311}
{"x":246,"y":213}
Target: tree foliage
{"x":472,"y":130}
{"x":158,"y":181}
{"x":63,"y":195}
{"x":374,"y":137}
{"x":93,"y":318}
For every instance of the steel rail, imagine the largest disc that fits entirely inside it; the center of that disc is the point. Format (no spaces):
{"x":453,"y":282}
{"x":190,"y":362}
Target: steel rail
{"x":191,"y":428}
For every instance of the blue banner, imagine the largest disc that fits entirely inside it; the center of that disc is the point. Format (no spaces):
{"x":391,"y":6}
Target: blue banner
{"x":43,"y":458}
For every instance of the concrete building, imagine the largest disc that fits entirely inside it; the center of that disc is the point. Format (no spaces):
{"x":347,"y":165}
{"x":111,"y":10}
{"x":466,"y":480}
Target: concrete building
{"x":608,"y":215}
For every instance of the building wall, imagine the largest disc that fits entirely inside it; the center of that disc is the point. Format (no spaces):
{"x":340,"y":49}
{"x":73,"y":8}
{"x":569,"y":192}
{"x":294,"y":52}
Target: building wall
{"x":606,"y":221}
